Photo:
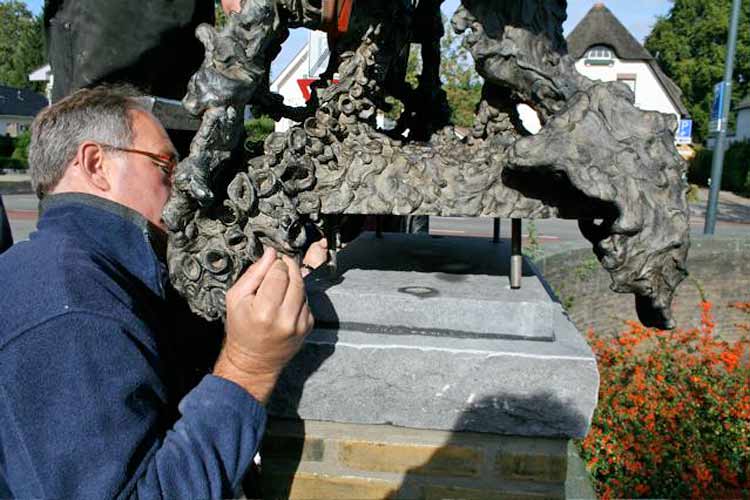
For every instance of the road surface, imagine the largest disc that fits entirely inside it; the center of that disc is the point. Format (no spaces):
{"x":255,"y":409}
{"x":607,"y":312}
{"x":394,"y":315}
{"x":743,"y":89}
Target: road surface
{"x":734,"y":220}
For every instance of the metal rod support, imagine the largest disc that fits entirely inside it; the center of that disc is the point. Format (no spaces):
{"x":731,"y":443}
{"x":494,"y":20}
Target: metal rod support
{"x":717,"y":163}
{"x":516,"y":257}
{"x":496,"y":230}
{"x":333,"y":238}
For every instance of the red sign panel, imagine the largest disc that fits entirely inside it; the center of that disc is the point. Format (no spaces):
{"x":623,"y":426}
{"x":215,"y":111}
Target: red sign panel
{"x":304,"y":86}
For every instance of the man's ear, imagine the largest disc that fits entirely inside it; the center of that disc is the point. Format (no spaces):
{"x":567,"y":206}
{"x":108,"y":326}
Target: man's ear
{"x":90,"y":161}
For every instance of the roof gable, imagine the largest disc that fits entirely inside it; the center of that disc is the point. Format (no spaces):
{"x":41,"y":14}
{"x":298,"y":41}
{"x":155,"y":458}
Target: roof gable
{"x":290,"y":69}
{"x":20,"y":102}
{"x":600,"y":27}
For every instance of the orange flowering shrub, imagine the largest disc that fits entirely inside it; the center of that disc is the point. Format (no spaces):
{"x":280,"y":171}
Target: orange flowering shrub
{"x":673,"y":418}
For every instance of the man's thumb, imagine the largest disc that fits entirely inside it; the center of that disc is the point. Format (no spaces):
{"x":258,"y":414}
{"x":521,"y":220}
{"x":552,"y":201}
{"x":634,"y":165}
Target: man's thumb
{"x":253,"y":276}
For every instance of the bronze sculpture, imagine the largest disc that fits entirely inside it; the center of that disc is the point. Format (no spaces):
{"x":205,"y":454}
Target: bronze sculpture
{"x":597,"y":158}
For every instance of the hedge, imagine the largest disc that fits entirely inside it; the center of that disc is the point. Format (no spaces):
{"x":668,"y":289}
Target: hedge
{"x":735,"y":176}
{"x":673,"y":418}
{"x":7,"y":145}
{"x":12,"y":163}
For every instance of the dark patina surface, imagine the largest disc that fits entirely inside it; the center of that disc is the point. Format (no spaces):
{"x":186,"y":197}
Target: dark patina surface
{"x":597,"y":158}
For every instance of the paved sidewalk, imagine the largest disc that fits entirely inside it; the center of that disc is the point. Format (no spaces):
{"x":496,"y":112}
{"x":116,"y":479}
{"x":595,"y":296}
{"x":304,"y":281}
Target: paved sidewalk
{"x":14,"y":177}
{"x":15,"y":184}
{"x":732,"y":208}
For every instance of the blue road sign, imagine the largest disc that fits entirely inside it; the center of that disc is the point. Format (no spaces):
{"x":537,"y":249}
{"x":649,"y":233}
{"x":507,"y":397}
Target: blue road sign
{"x":685,"y":132}
{"x":717,"y":107}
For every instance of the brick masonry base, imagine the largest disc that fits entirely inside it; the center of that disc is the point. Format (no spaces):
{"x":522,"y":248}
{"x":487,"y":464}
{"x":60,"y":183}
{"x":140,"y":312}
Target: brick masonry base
{"x":326,"y":460}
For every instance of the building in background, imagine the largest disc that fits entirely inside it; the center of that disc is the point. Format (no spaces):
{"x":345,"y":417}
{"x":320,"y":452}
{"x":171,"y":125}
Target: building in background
{"x":44,"y":74}
{"x":293,"y":83}
{"x":18,"y":107}
{"x":605,"y":50}
{"x":741,"y":130}
{"x":742,"y":127}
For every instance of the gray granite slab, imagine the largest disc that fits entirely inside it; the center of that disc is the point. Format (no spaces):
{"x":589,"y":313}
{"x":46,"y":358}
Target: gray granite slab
{"x":486,"y":378}
{"x":405,"y":284}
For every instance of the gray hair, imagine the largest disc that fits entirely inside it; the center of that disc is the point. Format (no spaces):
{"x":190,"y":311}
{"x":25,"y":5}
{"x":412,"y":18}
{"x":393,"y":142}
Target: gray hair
{"x":100,"y":114}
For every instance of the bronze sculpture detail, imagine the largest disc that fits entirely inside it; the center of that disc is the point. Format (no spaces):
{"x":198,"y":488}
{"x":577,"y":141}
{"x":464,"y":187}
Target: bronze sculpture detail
{"x":597,"y":158}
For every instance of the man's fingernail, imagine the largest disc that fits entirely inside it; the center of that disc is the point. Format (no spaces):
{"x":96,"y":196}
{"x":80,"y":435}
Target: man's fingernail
{"x":282,"y":265}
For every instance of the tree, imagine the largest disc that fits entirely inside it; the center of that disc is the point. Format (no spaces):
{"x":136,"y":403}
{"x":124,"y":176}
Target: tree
{"x":21,"y":151}
{"x":21,"y":44}
{"x":689,"y":44}
{"x":221,"y":17}
{"x":461,"y":82}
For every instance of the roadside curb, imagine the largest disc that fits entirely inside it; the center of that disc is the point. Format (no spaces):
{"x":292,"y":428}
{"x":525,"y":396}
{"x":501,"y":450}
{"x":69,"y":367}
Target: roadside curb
{"x":17,"y":187}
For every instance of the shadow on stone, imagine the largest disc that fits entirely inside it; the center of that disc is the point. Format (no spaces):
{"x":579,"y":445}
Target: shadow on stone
{"x":384,"y":402}
{"x":443,"y":257}
{"x":343,"y":461}
{"x":476,"y":465}
{"x":287,"y":453}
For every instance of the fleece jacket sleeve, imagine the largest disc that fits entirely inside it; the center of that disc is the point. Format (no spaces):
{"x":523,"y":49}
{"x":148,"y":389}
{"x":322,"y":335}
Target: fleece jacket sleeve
{"x":84,"y":413}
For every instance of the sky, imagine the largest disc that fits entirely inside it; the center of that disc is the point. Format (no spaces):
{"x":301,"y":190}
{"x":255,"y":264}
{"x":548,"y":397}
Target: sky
{"x":638,"y":16}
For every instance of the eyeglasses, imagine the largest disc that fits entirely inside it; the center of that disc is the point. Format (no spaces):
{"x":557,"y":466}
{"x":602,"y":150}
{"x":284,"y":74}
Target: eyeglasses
{"x":165,"y":163}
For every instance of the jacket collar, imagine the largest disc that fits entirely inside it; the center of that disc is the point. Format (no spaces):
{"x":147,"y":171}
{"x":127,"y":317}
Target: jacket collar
{"x":118,"y":233}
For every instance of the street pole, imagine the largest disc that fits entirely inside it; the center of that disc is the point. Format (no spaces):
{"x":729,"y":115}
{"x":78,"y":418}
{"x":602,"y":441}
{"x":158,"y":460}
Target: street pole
{"x":718,"y":159}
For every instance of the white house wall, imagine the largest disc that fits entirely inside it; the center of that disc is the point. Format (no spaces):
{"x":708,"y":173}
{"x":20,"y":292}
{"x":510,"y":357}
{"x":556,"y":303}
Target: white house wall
{"x":743,"y":125}
{"x":309,"y":62}
{"x":649,"y":93}
{"x":9,"y":125}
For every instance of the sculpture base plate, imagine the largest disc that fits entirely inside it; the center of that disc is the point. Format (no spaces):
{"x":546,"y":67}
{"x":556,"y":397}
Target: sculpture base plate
{"x":430,"y":286}
{"x":457,"y":350}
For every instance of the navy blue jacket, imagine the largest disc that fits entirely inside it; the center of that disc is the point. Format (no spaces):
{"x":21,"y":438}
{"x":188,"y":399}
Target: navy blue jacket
{"x":6,"y":238}
{"x":89,"y":379}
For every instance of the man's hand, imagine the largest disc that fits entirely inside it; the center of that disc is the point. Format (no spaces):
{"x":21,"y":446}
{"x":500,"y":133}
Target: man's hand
{"x":267,"y":321}
{"x":316,"y":256}
{"x":231,"y":6}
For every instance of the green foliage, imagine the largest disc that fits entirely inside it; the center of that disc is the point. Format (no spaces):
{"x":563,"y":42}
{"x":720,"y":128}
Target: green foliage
{"x":413,"y":70}
{"x":21,"y":44}
{"x":533,"y":248}
{"x":21,"y":151}
{"x":463,"y":103}
{"x":220,"y":16}
{"x":692,"y":194}
{"x":689,"y":44}
{"x":257,"y":129}
{"x":12,"y":164}
{"x":586,"y":269}
{"x":699,"y":168}
{"x":461,"y":82}
{"x":736,"y":167}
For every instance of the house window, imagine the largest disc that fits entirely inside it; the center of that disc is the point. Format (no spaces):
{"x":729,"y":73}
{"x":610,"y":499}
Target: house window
{"x":600,"y":55}
{"x":628,"y":79}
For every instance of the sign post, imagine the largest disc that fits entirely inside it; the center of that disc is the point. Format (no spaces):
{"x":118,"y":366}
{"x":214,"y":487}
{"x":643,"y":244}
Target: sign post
{"x":726,"y":96}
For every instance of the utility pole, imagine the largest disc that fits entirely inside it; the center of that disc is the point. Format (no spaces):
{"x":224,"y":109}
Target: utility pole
{"x":717,"y":164}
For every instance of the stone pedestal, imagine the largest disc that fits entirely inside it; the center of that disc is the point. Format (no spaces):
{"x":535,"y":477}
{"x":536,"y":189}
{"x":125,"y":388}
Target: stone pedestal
{"x":427,"y":375}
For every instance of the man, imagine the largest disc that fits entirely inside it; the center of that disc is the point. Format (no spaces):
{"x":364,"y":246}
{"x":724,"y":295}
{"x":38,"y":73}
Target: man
{"x":89,"y":384}
{"x":6,"y":237}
